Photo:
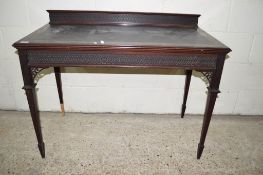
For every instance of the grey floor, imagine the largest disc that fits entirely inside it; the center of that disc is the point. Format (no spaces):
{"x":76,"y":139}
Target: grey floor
{"x":130,"y":144}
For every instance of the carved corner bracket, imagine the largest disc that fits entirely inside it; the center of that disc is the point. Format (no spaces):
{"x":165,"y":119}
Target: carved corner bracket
{"x":36,"y":70}
{"x":207,"y":76}
{"x":36,"y":73}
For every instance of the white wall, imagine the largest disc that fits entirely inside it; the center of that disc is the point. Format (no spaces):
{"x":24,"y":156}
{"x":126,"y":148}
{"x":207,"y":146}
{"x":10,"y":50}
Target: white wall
{"x":237,"y":23}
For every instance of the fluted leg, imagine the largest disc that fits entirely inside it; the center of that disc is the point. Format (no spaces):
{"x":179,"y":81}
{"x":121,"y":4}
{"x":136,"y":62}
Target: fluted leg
{"x":213,"y":90}
{"x":32,"y":102}
{"x":210,"y":103}
{"x":29,"y":87}
{"x":186,"y":90}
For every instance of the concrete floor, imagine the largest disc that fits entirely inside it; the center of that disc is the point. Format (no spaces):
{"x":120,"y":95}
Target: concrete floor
{"x":130,"y":144}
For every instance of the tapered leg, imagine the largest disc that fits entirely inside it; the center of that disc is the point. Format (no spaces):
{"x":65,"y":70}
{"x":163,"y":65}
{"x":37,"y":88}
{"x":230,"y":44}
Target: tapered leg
{"x":29,"y":87}
{"x":213,"y":90}
{"x":210,"y":103}
{"x":186,"y":90}
{"x":32,"y":102}
{"x":59,"y":87}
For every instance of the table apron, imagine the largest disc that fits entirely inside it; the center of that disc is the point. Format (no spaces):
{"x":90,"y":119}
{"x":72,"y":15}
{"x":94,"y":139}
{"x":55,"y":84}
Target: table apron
{"x":40,"y":58}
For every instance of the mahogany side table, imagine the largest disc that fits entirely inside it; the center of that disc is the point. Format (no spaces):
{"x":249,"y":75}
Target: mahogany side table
{"x":121,"y":39}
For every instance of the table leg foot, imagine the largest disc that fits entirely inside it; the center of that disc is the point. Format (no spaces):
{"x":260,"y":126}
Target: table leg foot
{"x":62,"y":110}
{"x":41,"y":148}
{"x":183,"y":111}
{"x":200,"y":150}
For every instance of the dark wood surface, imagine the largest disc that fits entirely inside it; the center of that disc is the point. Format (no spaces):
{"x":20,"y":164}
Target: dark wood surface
{"x":121,"y":39}
{"x":123,"y":18}
{"x":121,"y":36}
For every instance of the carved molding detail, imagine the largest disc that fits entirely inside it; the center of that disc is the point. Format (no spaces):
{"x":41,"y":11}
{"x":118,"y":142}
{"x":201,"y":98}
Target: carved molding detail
{"x":49,"y":58}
